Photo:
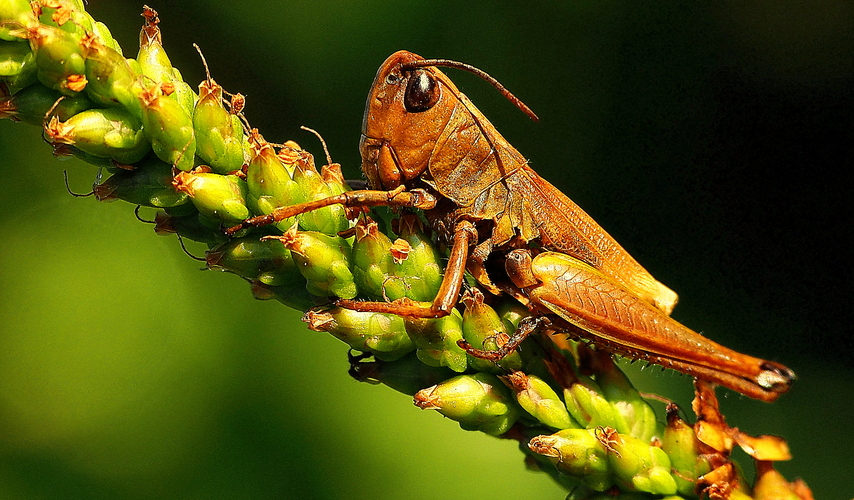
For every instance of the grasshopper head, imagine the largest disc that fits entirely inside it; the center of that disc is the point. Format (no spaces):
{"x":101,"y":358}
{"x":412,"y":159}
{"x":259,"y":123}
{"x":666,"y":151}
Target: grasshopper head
{"x":407,"y":109}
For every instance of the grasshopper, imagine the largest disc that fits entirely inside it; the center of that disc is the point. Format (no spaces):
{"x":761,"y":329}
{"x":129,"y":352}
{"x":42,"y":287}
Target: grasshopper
{"x":425,"y":145}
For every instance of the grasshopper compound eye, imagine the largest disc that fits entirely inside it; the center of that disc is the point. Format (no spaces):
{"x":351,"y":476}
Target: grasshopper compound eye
{"x":422,"y":92}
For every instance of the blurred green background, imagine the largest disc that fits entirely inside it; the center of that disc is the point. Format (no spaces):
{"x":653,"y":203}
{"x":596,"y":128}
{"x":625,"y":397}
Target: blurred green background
{"x":713,"y":140}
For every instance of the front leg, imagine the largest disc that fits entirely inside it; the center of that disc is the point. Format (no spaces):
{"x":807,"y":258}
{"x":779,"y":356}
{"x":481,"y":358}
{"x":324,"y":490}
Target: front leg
{"x":416,"y":198}
{"x":449,"y":292}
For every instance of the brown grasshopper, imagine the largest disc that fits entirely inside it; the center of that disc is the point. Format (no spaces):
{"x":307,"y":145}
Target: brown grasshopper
{"x":425,"y":145}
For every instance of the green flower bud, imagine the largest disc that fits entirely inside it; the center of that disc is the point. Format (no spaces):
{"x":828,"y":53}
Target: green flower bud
{"x":407,"y":374}
{"x":246,"y":257}
{"x":436,"y":340}
{"x":68,"y":15}
{"x":31,"y":104}
{"x":374,"y":269}
{"x":103,"y":33}
{"x":329,"y":220}
{"x":420,"y":265}
{"x":148,"y":184}
{"x":382,"y":335}
{"x":269,"y":182}
{"x":169,"y":128}
{"x":156,"y":67}
{"x":334,"y":178}
{"x":184,"y":93}
{"x":681,"y":446}
{"x":266,"y":261}
{"x":483,"y":329}
{"x":536,"y":397}
{"x":18,"y":62}
{"x":105,"y":133}
{"x":153,"y":61}
{"x":134,"y":66}
{"x":15,"y":15}
{"x":112,"y":80}
{"x":635,"y":464}
{"x":59,"y":59}
{"x":323,"y":260}
{"x":535,"y":462}
{"x":589,"y":408}
{"x":638,"y":415}
{"x":479,"y":402}
{"x":14,"y":56}
{"x":218,"y":142}
{"x":577,"y":453}
{"x":218,"y":197}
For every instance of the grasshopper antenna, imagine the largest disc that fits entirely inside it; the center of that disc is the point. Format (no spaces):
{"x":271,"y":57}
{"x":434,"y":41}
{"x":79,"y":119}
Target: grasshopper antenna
{"x":482,"y":74}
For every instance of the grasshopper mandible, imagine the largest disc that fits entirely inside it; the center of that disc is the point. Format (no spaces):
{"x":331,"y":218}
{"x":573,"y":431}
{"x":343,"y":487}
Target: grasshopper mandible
{"x":425,"y":145}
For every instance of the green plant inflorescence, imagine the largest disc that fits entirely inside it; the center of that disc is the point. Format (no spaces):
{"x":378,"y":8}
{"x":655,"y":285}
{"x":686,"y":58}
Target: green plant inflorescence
{"x":194,"y":158}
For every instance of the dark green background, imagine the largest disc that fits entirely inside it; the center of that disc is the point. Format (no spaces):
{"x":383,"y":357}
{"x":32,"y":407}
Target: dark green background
{"x":713,"y":140}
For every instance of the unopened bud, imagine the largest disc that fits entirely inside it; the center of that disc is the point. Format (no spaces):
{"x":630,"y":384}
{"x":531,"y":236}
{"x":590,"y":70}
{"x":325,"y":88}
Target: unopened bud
{"x":479,"y":402}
